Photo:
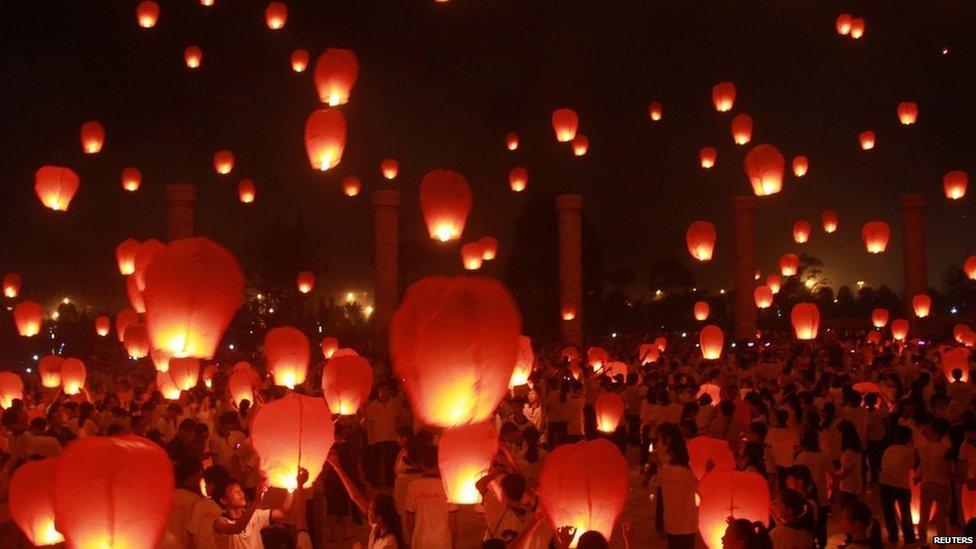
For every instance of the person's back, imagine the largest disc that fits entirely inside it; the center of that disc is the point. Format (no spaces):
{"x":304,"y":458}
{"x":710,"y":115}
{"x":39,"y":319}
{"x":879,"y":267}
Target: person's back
{"x":427,"y":500}
{"x":178,"y":524}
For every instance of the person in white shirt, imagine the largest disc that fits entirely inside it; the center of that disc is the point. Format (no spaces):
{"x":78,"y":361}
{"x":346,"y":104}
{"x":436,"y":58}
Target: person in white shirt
{"x":935,"y":471}
{"x":381,"y":436}
{"x":239,"y":527}
{"x":678,"y":485}
{"x":200,"y":531}
{"x":431,"y":521}
{"x":386,"y":528}
{"x":851,"y":463}
{"x":783,"y":440}
{"x":897,"y":464}
{"x":821,"y":469}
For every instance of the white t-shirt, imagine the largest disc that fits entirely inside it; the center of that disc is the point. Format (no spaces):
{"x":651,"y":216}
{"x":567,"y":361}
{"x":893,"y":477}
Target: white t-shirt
{"x":375,"y":542}
{"x":250,"y":538}
{"x":933,"y":466}
{"x":428,"y":501}
{"x":179,"y":518}
{"x":678,"y":486}
{"x":201,"y":521}
{"x":821,"y":467}
{"x":502,"y":522}
{"x":897,"y":463}
{"x":783,"y":442}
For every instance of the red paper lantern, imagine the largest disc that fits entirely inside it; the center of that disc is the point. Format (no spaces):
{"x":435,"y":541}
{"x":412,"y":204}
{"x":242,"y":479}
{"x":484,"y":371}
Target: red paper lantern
{"x":92,"y":137}
{"x":131,"y":179}
{"x":712,"y":390}
{"x":876,"y":235}
{"x":647,"y":353}
{"x":829,"y":220}
{"x":704,"y":449}
{"x":609,"y":408}
{"x":921,"y":304}
{"x":953,"y":359}
{"x":56,"y":186}
{"x":742,"y":129}
{"x":299,"y":60}
{"x":597,"y":357}
{"x":879,"y":318}
{"x":346,"y":382}
{"x":844,"y":24}
{"x":11,"y":285}
{"x":711,"y":340}
{"x":701,"y":311}
{"x":351,"y":185}
{"x":857,"y":28}
{"x":801,"y":231}
{"x":185,"y":372}
{"x":464,"y":456}
{"x":31,"y":501}
{"x":489,"y":247}
{"x":135,"y":296}
{"x":208,"y":374}
{"x":580,"y":144}
{"x":329,"y":346}
{"x":724,"y":494}
{"x":565,"y":122}
{"x":241,"y":384}
{"x":276,"y":15}
{"x":655,"y":110}
{"x":774,"y":282}
{"x":390,"y":168}
{"x":11,"y":388}
{"x":511,"y":141}
{"x":806,"y":320}
{"x":287,"y":353}
{"x":125,"y":255}
{"x":123,"y":320}
{"x":899,"y":329}
{"x":27,"y":317}
{"x":246,"y":190}
{"x":192,"y":56}
{"x":336,"y":71}
{"x":147,"y":13}
{"x":144,"y":256}
{"x":874,"y":337}
{"x":73,"y":374}
{"x":471,"y":256}
{"x":954,"y":184}
{"x":959,"y":333}
{"x":325,"y":138}
{"x":445,"y":199}
{"x":662,"y":343}
{"x":801,"y":165}
{"x":223,"y":162}
{"x":700,"y":238}
{"x":136,"y":340}
{"x":707,"y":157}
{"x":49,"y":369}
{"x":907,"y":113}
{"x":518,"y":179}
{"x":723,"y":96}
{"x":166,"y":386}
{"x":292,"y":433}
{"x":763,"y":296}
{"x":306,"y":281}
{"x":867,"y":140}
{"x":789,"y":264}
{"x":764,"y":166}
{"x":523,"y":364}
{"x":969,"y":267}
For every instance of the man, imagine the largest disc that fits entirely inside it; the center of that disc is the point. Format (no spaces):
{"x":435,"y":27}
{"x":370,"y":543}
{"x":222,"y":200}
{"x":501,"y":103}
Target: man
{"x":240,"y":525}
{"x":200,"y":531}
{"x":430,"y":521}
{"x":185,"y":498}
{"x":182,"y":447}
{"x":381,"y":436}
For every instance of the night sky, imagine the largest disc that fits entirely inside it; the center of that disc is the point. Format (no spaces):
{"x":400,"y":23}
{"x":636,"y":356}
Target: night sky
{"x":440,"y":86}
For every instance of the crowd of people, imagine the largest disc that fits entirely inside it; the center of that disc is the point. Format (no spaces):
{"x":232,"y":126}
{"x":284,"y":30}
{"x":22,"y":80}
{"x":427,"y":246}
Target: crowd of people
{"x":842,"y":429}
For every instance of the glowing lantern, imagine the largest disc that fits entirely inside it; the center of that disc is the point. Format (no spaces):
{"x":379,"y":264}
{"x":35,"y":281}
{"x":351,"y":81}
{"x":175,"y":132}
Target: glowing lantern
{"x":742,"y":129}
{"x":136,"y":340}
{"x":49,"y":369}
{"x":445,"y":199}
{"x":565,"y":122}
{"x":700,"y":238}
{"x":113,"y":492}
{"x":292,"y":433}
{"x":805,"y":318}
{"x":899,"y":329}
{"x":801,"y":165}
{"x":662,"y":343}
{"x":464,"y":457}
{"x":609,"y":409}
{"x":287,"y":353}
{"x":207,"y":3}
{"x":857,"y":28}
{"x":299,"y":60}
{"x":764,"y":166}
{"x":867,"y":140}
{"x":568,"y":314}
{"x":907,"y":113}
{"x":959,"y":333}
{"x":789,"y":264}
{"x":325,"y":138}
{"x":56,"y":186}
{"x":647,"y":353}
{"x":879,"y":318}
{"x":712,"y":390}
{"x":954,"y":184}
{"x":346,"y":382}
{"x":276,"y":15}
{"x":123,"y":320}
{"x":131,"y":179}
{"x":160,"y":359}
{"x":11,"y":388}
{"x":723,"y":96}
{"x":241,"y":384}
{"x":454,"y":342}
{"x":711,"y":340}
{"x":739,"y":494}
{"x":246,"y":191}
{"x":707,"y":157}
{"x":103,"y":325}
{"x":165,"y":385}
{"x":31,"y":503}
{"x":523,"y":364}
{"x":596,"y":357}
{"x":11,"y":285}
{"x":489,"y":247}
{"x":147,"y":13}
{"x":208,"y":375}
{"x":223,"y":162}
{"x":511,"y":141}
{"x":701,"y":311}
{"x":801,"y":231}
{"x":518,"y":179}
{"x":471,"y":256}
{"x":763,"y":296}
{"x":829,"y":221}
{"x":336,"y":72}
{"x":92,"y":137}
{"x":875,"y":235}
{"x":704,"y":449}
{"x":351,"y":185}
{"x":615,"y":368}
{"x":774,"y":282}
{"x":27,"y":317}
{"x":73,"y":374}
{"x":144,"y":256}
{"x":957,"y":358}
{"x":135,"y":296}
{"x":185,"y":372}
{"x":192,"y":56}
{"x":344,"y":351}
{"x":329,"y":346}
{"x":655,"y":111}
{"x":844,"y":24}
{"x":306,"y":281}
{"x":580,"y":144}
{"x":922,"y":304}
{"x":193,"y":289}
{"x":584,"y":485}
{"x":874,"y":337}
{"x":969,"y":267}
{"x":389,"y":168}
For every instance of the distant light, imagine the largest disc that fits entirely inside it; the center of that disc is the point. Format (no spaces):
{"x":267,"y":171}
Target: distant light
{"x":733,"y":345}
{"x":271,"y":311}
{"x":750,"y":344}
{"x":614,"y":334}
{"x":953,"y":310}
{"x":368,"y":310}
{"x":260,"y":297}
{"x":320,"y":328}
{"x":722,"y":291}
{"x":231,"y":346}
{"x":694,"y":289}
{"x":860,"y":284}
{"x":835,"y":300}
{"x":55,"y":315}
{"x":35,"y":357}
{"x":65,"y":301}
{"x":945,"y":51}
{"x":684,"y":334}
{"x":809,"y":283}
{"x":350,"y":297}
{"x":28,"y":370}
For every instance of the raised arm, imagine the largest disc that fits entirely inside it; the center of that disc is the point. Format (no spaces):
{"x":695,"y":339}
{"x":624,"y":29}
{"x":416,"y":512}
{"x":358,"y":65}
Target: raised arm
{"x":354,"y":494}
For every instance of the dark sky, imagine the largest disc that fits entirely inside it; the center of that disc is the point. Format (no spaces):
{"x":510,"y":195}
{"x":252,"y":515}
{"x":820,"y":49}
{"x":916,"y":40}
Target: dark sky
{"x":440,"y":86}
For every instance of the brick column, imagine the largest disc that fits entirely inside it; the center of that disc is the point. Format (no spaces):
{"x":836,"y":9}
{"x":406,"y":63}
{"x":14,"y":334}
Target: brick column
{"x":913,"y":245}
{"x":570,"y":211}
{"x":386,"y":246}
{"x":181,"y":200}
{"x":744,"y":265}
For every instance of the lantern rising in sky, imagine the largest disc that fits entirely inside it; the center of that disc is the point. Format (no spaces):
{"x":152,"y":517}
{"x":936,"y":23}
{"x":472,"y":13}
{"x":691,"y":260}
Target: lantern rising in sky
{"x":92,"y":137}
{"x":287,"y":353}
{"x":193,"y":56}
{"x":711,"y":340}
{"x":609,"y":408}
{"x":801,"y":165}
{"x":921,"y":304}
{"x":789,"y":264}
{"x":565,"y":122}
{"x":723,"y":96}
{"x":876,"y":235}
{"x":56,"y":186}
{"x":879,"y":317}
{"x":580,"y":145}
{"x":305,"y":281}
{"x":801,"y":231}
{"x":954,"y":184}
{"x":829,"y":221}
{"x":27,"y":317}
{"x":147,"y":13}
{"x":774,"y":282}
{"x":246,"y":191}
{"x":511,"y":141}
{"x":11,"y":388}
{"x":764,"y":165}
{"x":701,"y":311}
{"x":700,"y":238}
{"x":336,"y":72}
{"x":445,"y":199}
{"x":707,"y":157}
{"x":742,"y":129}
{"x":292,"y":433}
{"x":907,"y":113}
{"x":866,"y":139}
{"x":11,"y":285}
{"x":763,"y":295}
{"x":969,"y":267}
{"x":351,"y":185}
{"x":464,"y":457}
{"x":299,"y":60}
{"x":389,"y":167}
{"x":131,"y":179}
{"x":276,"y":15}
{"x":805,"y":318}
{"x":518,"y":179}
{"x":223,"y":162}
{"x":471,"y":256}
{"x":843,"y":24}
{"x":346,"y":383}
{"x":325,"y":138}
{"x":655,"y":111}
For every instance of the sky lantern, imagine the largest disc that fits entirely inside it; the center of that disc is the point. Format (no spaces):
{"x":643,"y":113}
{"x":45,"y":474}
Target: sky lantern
{"x":957,"y":358}
{"x":661,"y":342}
{"x":565,"y":122}
{"x":28,"y":316}
{"x":192,"y":56}
{"x":287,"y":354}
{"x":763,"y":296}
{"x":147,"y":13}
{"x":700,"y":238}
{"x":801,"y":165}
{"x":857,"y":28}
{"x":789,"y":264}
{"x":92,"y":137}
{"x":11,"y":388}
{"x":136,"y":340}
{"x":596,"y":357}
{"x":299,"y":60}
{"x":389,"y":167}
{"x":739,"y":494}
{"x":471,"y":256}
{"x":711,"y":390}
{"x":223,"y":162}
{"x":874,"y":337}
{"x":701,"y":311}
{"x":489,"y":247}
{"x":292,"y":433}
{"x":580,"y":144}
{"x":801,"y":231}
{"x":346,"y":383}
{"x":135,"y":296}
{"x":829,"y":221}
{"x":805,"y":318}
{"x":49,"y":369}
{"x":165,"y":385}
{"x":704,"y":449}
{"x":742,"y":129}
{"x":336,"y":71}
{"x":306,"y":281}
{"x":959,"y":332}
{"x":764,"y":166}
{"x":707,"y":157}
{"x":122,"y":321}
{"x":609,"y":408}
{"x":954,"y":184}
{"x":518,"y":179}
{"x":899,"y":329}
{"x":144,"y":256}
{"x":208,"y":374}
{"x":711,"y":340}
{"x":329,"y":346}
{"x":11,"y":285}
{"x":276,"y":15}
{"x":56,"y":186}
{"x":523,"y":364}
{"x":907,"y":113}
{"x":876,"y":235}
{"x":185,"y":372}
{"x":73,"y":374}
{"x":511,"y":141}
{"x":844,"y":24}
{"x":922,"y":304}
{"x":351,"y":185}
{"x":325,"y":138}
{"x":879,"y":318}
{"x":131,"y":179}
{"x":464,"y":457}
{"x":866,"y":139}
{"x":193,"y":288}
{"x":241,"y":384}
{"x":445,"y":199}
{"x":647,"y":353}
{"x":246,"y":191}
{"x":31,"y":502}
{"x":103,"y":325}
{"x":655,"y":110}
{"x":160,"y":359}
{"x":207,"y":3}
{"x":454,"y":342}
{"x":969,"y":267}
{"x":723,"y":96}
{"x":584,"y":485}
{"x":774,"y":282}
{"x":113,"y":492}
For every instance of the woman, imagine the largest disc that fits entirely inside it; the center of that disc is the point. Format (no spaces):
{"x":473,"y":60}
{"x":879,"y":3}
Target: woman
{"x":677,"y":493}
{"x":532,"y":410}
{"x":386,"y":528}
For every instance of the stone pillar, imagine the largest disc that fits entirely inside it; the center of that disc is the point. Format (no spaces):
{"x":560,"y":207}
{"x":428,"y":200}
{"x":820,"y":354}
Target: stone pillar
{"x":570,"y":211}
{"x":386,"y":247}
{"x":913,"y":243}
{"x":744,"y":265}
{"x":181,"y":200}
